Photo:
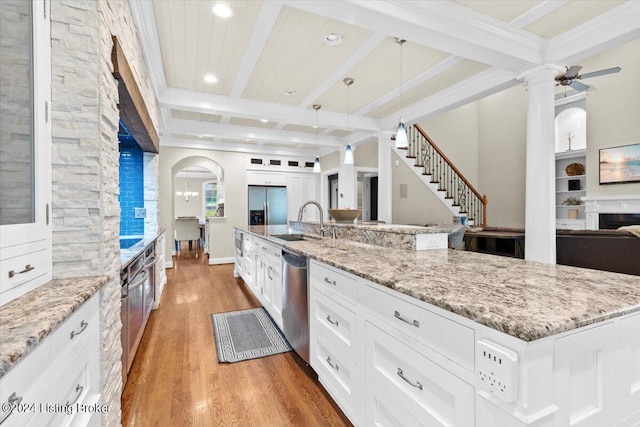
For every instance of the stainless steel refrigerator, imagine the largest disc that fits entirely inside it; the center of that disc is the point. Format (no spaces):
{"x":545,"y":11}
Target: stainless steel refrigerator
{"x":267,"y":205}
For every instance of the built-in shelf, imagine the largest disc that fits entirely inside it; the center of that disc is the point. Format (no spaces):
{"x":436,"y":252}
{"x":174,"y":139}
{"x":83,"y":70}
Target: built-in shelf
{"x":562,"y":190}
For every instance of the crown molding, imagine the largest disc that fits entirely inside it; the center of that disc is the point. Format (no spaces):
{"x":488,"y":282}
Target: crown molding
{"x":144,"y":19}
{"x":236,"y":147}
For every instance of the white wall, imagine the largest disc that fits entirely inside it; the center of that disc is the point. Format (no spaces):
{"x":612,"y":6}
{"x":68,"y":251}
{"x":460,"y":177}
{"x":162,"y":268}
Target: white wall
{"x":502,"y":135}
{"x":235,"y":189}
{"x":613,"y":112}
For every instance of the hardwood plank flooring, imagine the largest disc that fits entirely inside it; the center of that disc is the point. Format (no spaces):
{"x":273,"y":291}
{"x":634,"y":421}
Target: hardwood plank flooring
{"x":176,"y":380}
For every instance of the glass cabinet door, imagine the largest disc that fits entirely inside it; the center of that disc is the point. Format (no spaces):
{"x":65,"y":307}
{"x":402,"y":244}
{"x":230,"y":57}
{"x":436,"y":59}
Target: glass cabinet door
{"x":25,"y":147}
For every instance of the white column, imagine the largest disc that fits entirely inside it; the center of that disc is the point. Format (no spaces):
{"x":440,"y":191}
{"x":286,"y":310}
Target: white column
{"x":347,"y":183}
{"x":384,"y":177}
{"x":540,"y":221}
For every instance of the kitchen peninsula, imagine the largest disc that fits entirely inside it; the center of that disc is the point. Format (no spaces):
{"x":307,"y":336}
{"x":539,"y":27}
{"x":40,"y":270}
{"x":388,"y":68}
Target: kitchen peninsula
{"x":426,"y":335}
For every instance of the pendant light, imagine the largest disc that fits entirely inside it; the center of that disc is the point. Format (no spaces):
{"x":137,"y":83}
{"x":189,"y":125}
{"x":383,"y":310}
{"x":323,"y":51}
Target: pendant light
{"x":401,"y":132}
{"x":348,"y":152}
{"x":316,"y":163}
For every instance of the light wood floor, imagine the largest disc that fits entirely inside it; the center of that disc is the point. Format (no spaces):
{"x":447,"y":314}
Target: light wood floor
{"x":176,"y":379}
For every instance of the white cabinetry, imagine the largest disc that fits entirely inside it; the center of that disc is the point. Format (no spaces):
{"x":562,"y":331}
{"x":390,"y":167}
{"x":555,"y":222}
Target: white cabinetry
{"x":389,"y":359}
{"x":300,"y":188}
{"x":25,"y":162}
{"x":63,"y":371}
{"x":570,"y":186}
{"x":260,"y":266}
{"x":266,"y":178}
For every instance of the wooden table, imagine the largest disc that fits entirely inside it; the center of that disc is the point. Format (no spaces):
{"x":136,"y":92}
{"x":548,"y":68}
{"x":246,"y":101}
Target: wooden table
{"x":506,"y":243}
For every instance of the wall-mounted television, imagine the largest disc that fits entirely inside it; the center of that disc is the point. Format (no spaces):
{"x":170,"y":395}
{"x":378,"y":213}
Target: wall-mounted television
{"x":620,"y":165}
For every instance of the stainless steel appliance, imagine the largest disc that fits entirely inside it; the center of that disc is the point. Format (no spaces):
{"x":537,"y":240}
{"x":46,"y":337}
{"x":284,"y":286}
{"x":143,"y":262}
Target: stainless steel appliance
{"x":137,"y":297}
{"x":267,"y":205}
{"x":295,"y":304}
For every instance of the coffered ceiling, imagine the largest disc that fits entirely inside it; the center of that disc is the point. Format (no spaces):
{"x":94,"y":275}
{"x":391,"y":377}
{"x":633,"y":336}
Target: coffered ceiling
{"x":456,"y":52}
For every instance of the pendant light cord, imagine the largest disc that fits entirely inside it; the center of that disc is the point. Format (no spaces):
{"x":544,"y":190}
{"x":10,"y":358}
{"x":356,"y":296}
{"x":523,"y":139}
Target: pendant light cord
{"x":401,"y":80}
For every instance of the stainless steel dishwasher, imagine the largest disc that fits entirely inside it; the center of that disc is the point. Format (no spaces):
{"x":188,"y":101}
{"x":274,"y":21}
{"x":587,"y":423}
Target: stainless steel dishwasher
{"x":295,"y":304}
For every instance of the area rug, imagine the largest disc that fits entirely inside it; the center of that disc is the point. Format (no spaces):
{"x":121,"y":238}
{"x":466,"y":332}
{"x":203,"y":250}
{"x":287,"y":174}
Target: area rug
{"x":246,"y":334}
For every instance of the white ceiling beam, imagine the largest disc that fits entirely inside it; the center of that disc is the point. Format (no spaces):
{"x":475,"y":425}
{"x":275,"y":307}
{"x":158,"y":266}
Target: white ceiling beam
{"x":266,"y":19}
{"x":537,"y":12}
{"x":609,"y":30}
{"x":210,"y":130}
{"x":235,"y":147}
{"x":243,"y":108}
{"x":144,"y":19}
{"x":445,"y":26}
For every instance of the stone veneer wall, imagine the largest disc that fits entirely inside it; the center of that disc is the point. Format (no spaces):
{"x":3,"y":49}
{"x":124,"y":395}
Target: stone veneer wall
{"x":85,"y":157}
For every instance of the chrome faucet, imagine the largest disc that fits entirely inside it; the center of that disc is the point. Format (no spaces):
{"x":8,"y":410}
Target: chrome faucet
{"x":313,"y":202}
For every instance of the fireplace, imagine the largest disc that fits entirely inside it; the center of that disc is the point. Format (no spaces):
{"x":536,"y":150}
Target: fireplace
{"x":617,"y":210}
{"x":609,"y":221}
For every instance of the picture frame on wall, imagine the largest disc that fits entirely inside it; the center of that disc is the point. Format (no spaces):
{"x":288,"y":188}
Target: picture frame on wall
{"x":620,"y":165}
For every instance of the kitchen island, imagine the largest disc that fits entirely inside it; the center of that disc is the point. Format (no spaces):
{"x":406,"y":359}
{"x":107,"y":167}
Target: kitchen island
{"x":565,"y":340}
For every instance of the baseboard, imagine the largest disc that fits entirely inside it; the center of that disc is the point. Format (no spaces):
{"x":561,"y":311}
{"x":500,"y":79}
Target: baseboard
{"x":168,"y":264}
{"x":227,"y":260}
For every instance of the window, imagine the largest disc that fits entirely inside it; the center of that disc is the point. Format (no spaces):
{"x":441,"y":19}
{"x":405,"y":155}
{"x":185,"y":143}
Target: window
{"x":210,"y":198}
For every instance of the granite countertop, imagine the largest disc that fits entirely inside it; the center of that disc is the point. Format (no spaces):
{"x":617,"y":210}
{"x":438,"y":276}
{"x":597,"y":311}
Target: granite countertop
{"x":127,"y":255}
{"x":26,"y":321}
{"x":390,"y":228}
{"x":525,"y":299}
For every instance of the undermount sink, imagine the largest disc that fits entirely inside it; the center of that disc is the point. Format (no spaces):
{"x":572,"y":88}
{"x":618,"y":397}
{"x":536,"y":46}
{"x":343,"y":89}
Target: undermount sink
{"x":289,"y":237}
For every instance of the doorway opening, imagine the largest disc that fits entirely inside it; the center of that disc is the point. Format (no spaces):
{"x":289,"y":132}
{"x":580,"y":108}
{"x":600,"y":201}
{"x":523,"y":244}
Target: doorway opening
{"x":367,"y":195}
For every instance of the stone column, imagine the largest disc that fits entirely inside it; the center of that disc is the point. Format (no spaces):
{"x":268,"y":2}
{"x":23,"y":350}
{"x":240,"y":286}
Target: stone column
{"x":384,"y":177}
{"x":540,"y":212}
{"x":347,"y":183}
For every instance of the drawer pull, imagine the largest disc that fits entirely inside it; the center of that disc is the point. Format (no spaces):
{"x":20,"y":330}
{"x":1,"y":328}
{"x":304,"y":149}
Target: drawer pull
{"x":416,"y":384}
{"x":326,"y":279}
{"x":12,"y":400}
{"x":269,"y":273}
{"x":398,"y":316}
{"x":27,"y":268}
{"x":79,"y":389}
{"x":83,"y":326}
{"x":331,"y":364}
{"x":333,"y":322}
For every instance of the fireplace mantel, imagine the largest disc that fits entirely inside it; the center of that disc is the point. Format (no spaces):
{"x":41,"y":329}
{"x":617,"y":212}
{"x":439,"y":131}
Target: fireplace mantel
{"x":595,"y":205}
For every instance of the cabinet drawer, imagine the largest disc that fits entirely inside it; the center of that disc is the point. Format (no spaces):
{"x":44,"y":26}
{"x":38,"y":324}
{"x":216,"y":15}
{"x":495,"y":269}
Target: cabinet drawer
{"x":427,"y":391}
{"x":334,"y":321}
{"x":24,"y":385}
{"x":271,"y":253}
{"x":21,"y":269}
{"x":451,"y":339}
{"x":75,"y":332}
{"x":329,"y":280}
{"x":335,"y":371}
{"x":383,"y":411}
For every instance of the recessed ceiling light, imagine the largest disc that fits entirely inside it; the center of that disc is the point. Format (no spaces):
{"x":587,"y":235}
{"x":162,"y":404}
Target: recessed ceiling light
{"x":264,"y":120}
{"x":314,"y":126}
{"x":210,"y":78}
{"x":333,"y":39}
{"x":288,"y":92}
{"x":222,"y":10}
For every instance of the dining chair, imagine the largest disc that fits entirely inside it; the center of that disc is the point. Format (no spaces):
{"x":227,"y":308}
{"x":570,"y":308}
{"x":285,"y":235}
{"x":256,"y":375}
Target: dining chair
{"x":187,"y":229}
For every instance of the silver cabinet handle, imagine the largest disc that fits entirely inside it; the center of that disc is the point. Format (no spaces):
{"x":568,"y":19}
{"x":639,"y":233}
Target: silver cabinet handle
{"x":416,"y":384}
{"x":398,"y":316}
{"x":79,"y":389}
{"x":333,"y":322}
{"x":336,"y":367}
{"x":12,"y":400}
{"x":269,"y":273}
{"x":83,"y":326}
{"x":326,"y":279}
{"x":27,"y":268}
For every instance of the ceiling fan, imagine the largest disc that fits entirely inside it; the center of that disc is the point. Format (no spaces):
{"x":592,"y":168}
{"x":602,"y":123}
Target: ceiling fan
{"x":571,"y":77}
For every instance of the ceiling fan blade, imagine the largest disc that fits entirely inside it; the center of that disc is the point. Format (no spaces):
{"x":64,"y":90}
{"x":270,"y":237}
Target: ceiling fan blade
{"x":600,"y":73}
{"x":573,"y":71}
{"x":580,"y":87}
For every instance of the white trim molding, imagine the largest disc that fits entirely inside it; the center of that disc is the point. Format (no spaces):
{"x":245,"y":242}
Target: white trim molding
{"x":225,"y":260}
{"x":595,"y":205}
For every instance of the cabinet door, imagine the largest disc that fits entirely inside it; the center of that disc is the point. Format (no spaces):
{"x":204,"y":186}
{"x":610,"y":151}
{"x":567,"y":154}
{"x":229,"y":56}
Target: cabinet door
{"x":25,"y":149}
{"x":294,"y":194}
{"x":276,"y":287}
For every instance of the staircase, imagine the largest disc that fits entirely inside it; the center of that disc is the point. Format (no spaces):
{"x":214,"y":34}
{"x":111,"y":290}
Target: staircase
{"x":442,"y":177}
